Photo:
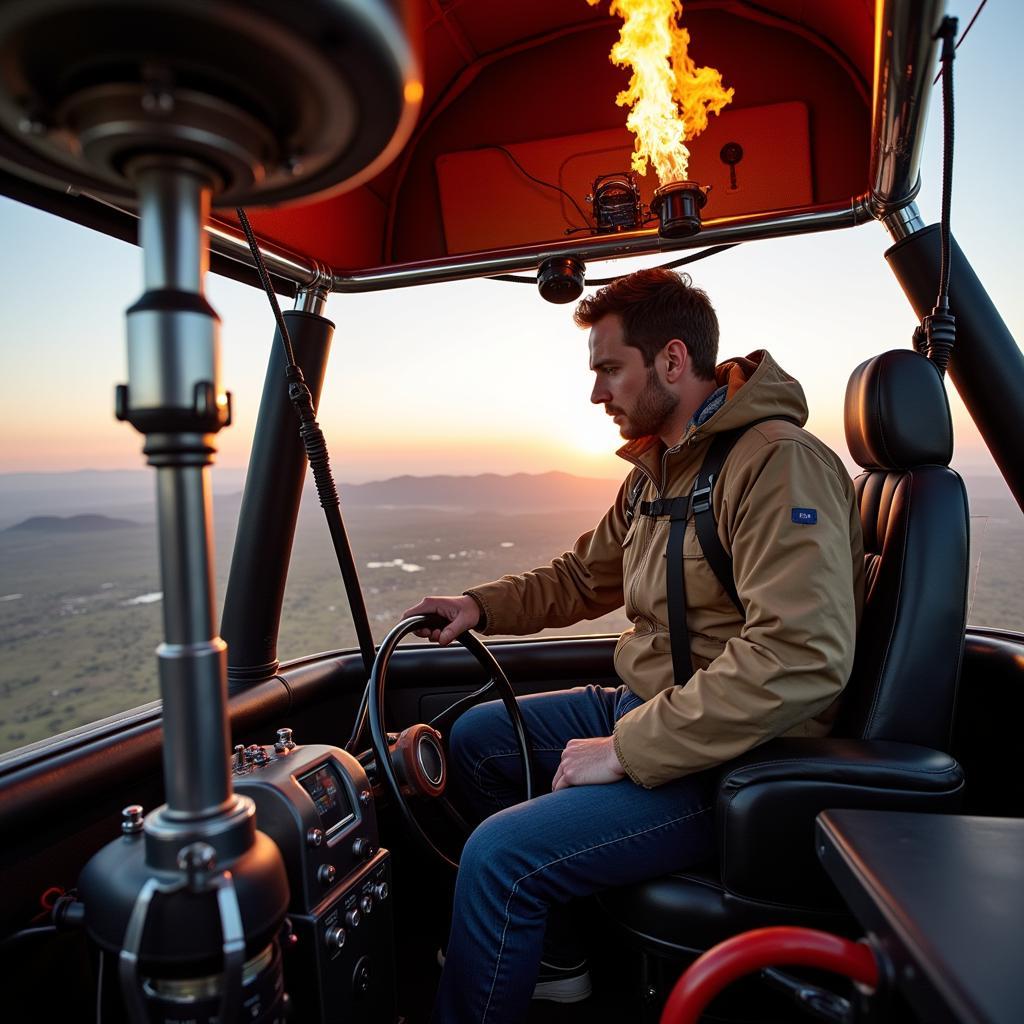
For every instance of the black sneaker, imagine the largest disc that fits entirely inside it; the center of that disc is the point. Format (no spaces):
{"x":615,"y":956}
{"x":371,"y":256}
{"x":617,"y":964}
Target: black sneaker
{"x":563,"y":983}
{"x":558,"y":983}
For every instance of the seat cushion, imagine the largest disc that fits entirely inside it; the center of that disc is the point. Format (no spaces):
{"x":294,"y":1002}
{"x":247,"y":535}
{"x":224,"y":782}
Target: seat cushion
{"x":687,"y":912}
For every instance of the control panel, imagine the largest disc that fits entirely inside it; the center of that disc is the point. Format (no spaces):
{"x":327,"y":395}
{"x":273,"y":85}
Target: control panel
{"x":315,"y":802}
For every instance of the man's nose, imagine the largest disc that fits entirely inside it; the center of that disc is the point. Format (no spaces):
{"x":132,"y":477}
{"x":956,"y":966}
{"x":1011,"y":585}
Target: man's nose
{"x":599,"y":394}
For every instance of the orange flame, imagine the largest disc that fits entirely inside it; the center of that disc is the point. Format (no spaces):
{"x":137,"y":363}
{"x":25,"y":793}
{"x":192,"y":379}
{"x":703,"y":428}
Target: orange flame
{"x":669,"y":96}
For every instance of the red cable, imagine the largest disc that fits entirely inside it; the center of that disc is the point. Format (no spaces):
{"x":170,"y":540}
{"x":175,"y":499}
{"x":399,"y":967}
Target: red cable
{"x":765,"y":947}
{"x":47,"y":901}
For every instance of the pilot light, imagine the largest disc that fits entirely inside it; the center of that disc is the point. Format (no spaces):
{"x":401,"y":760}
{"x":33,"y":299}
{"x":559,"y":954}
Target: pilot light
{"x":615,"y":199}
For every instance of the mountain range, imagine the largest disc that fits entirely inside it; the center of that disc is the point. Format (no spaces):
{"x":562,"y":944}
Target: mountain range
{"x":122,"y":493}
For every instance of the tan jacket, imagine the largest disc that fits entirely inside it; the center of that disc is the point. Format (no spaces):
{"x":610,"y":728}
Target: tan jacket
{"x":779,"y":671}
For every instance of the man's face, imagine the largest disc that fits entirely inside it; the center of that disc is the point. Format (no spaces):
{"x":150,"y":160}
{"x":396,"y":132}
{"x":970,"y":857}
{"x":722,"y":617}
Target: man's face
{"x":629,"y":391}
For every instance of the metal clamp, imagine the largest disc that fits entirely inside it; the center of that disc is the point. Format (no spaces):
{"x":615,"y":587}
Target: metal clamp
{"x":196,"y":861}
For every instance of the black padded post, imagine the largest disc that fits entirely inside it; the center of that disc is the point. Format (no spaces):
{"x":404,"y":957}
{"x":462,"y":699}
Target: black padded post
{"x":987,"y":366}
{"x":270,"y":506}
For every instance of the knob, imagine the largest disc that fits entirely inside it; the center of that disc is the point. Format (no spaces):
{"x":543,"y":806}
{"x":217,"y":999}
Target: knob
{"x":131,"y":819}
{"x":284,"y":740}
{"x":363,"y":848}
{"x":326,"y":874}
{"x":361,"y":977}
{"x":239,"y":756}
{"x":315,"y":836}
{"x":335,"y":937}
{"x":366,"y":905}
{"x":353,"y":917}
{"x":381,"y":890}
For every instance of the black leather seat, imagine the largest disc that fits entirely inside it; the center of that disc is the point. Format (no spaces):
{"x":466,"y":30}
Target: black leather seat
{"x":889,"y":748}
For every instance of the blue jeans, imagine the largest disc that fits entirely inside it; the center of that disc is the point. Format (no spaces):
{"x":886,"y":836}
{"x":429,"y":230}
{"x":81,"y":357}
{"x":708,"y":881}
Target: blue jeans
{"x":526,"y":857}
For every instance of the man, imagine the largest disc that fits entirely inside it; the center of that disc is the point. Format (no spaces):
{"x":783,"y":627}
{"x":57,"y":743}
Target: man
{"x":631,"y":790}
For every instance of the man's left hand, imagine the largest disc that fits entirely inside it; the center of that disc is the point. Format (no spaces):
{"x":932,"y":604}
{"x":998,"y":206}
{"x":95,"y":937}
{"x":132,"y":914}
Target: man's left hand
{"x":591,"y":762}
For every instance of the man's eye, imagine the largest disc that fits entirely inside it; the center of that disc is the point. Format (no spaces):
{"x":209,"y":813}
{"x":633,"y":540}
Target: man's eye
{"x":609,"y":370}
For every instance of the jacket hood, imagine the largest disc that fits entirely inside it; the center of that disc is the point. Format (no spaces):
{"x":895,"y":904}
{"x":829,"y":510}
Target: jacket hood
{"x":757,"y":387}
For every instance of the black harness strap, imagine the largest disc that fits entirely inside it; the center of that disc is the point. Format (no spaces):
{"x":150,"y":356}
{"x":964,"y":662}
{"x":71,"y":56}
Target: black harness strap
{"x":697,"y":504}
{"x":678,"y":509}
{"x":704,"y":517}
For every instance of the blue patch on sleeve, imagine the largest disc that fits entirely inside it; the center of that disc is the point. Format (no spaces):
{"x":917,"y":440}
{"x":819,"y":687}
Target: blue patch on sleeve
{"x":805,"y":516}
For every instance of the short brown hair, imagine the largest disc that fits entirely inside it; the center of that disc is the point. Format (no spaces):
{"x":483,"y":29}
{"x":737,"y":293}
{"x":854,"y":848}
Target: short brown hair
{"x":657,"y":305}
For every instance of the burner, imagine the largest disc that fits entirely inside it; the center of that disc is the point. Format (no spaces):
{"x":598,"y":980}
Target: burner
{"x":677,"y":206}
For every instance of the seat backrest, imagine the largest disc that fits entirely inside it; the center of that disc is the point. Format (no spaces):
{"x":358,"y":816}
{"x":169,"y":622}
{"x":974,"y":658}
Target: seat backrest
{"x":914,"y":514}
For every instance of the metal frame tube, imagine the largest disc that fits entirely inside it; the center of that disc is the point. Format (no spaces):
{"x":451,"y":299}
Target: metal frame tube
{"x":905,"y":52}
{"x":314,"y":280}
{"x":313,"y":298}
{"x":228,"y":240}
{"x":904,"y":222}
{"x":526,"y":258}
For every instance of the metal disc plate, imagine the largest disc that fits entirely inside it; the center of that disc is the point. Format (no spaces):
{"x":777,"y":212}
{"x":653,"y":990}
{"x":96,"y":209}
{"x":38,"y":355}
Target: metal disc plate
{"x":280,"y":100}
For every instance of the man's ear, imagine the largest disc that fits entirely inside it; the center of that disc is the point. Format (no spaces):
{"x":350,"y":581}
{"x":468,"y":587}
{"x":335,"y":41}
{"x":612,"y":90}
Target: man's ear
{"x":677,"y":359}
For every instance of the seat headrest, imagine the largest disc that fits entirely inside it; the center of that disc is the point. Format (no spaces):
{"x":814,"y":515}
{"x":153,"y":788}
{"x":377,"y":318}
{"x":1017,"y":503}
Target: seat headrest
{"x":897,"y":415}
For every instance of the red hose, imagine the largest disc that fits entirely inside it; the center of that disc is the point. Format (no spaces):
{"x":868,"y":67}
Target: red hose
{"x":765,"y":947}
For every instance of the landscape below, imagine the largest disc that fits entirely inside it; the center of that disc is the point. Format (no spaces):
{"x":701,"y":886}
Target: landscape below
{"x":80,"y":601}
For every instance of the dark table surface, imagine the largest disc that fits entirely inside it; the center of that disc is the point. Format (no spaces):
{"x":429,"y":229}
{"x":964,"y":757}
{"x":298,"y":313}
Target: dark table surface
{"x":944,"y":897}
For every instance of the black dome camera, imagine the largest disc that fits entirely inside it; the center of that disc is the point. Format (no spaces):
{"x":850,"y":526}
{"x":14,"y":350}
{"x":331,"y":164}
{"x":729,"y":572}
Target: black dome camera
{"x":560,"y":279}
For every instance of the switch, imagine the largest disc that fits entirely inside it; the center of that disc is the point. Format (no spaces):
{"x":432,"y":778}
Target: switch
{"x":131,"y":820}
{"x":363,"y":848}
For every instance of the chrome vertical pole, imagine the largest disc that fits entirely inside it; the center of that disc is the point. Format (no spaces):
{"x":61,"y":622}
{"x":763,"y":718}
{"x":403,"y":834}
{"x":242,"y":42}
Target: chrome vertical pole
{"x":174,"y":397}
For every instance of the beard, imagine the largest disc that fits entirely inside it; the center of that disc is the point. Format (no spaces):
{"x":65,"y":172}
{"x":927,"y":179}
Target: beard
{"x":653,"y":406}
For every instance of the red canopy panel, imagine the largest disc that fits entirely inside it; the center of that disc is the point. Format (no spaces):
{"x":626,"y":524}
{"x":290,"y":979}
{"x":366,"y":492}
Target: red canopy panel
{"x":534,"y":77}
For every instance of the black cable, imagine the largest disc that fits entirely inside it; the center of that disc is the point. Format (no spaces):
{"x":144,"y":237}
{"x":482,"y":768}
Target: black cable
{"x":360,"y":723}
{"x":261,"y":269}
{"x":26,"y":933}
{"x":936,"y":335}
{"x":948,"y":34}
{"x":703,"y":254}
{"x":546,"y":184}
{"x":970,"y":25}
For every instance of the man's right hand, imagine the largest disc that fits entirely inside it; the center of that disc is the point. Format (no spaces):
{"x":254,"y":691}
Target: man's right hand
{"x":462,"y":613}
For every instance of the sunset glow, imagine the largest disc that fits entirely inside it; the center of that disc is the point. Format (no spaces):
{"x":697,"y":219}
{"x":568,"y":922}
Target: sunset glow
{"x":482,"y":376}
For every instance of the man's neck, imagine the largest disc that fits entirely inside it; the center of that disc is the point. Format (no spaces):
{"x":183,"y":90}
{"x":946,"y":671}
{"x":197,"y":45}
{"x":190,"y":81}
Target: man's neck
{"x":689,"y":403}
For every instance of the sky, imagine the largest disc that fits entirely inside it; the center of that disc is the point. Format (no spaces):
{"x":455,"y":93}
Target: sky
{"x":484,"y":376}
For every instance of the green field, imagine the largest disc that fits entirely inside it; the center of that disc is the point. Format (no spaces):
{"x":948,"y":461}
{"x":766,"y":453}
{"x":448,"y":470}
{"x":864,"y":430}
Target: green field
{"x":76,"y":648}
